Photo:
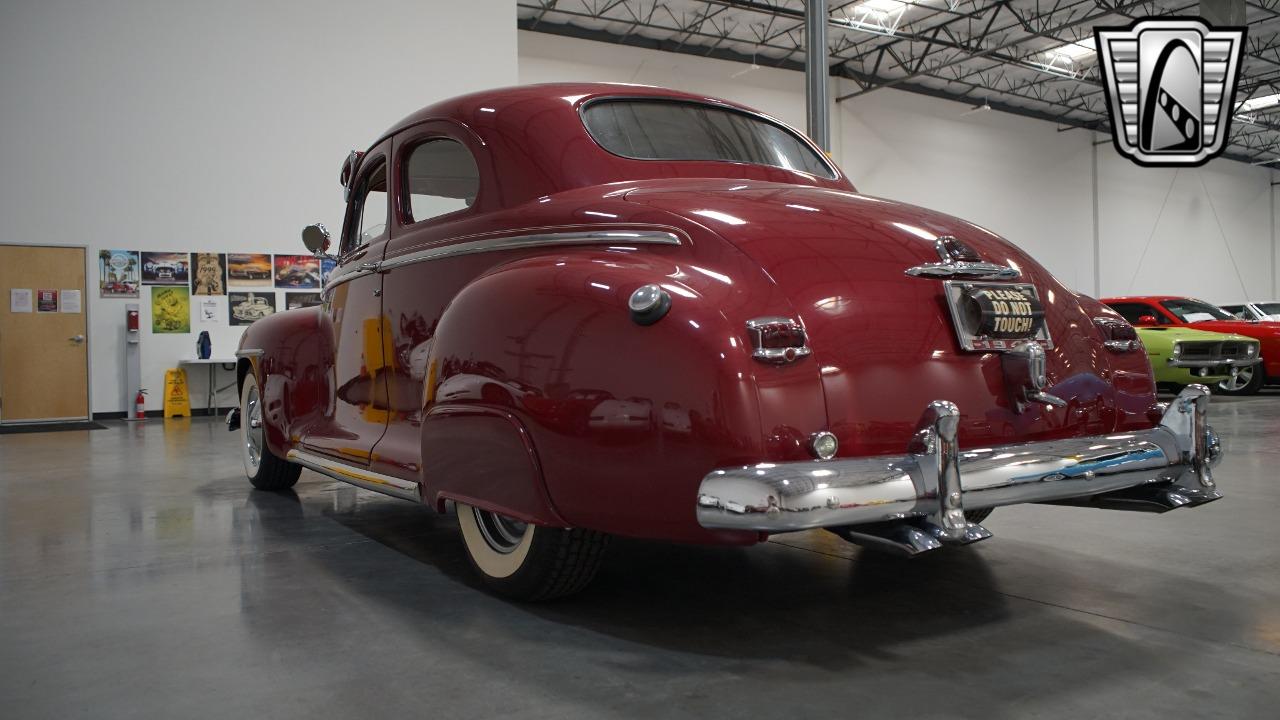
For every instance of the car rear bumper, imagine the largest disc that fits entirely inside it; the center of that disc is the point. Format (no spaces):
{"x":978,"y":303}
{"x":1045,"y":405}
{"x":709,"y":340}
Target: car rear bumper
{"x":1162,"y":468}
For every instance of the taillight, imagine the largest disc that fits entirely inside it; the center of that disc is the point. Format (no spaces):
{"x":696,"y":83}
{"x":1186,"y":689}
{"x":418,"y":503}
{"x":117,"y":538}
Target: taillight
{"x":1117,"y":335}
{"x":777,"y":339}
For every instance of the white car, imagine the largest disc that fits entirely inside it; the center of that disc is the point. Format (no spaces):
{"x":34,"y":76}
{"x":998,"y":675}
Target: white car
{"x":1261,"y":311}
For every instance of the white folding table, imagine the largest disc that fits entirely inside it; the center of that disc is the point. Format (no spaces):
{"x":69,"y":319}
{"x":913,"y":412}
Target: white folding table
{"x":212,"y":363}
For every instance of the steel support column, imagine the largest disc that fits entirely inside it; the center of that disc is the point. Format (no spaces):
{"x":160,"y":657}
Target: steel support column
{"x":816,"y":74}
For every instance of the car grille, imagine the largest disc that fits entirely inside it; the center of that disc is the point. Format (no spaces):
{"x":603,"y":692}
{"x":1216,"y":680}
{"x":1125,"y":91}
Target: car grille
{"x":1198,"y":350}
{"x":1234,"y":349}
{"x":1226,"y":350}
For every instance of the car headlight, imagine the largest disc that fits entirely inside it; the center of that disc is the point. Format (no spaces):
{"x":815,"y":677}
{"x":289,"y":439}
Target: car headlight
{"x":1177,"y":349}
{"x":1251,"y":349}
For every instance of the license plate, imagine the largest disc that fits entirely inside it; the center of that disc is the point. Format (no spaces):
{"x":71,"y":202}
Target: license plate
{"x":996,"y":316}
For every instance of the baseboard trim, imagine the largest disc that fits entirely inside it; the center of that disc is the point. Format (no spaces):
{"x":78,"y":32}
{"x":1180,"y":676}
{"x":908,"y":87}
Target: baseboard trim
{"x":159,"y":414}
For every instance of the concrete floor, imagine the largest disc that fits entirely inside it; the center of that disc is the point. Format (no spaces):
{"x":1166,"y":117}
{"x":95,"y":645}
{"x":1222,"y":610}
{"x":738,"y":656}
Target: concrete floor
{"x":140,"y":576}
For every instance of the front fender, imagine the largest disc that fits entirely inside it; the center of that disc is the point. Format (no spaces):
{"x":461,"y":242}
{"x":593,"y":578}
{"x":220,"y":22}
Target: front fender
{"x":291,"y":355}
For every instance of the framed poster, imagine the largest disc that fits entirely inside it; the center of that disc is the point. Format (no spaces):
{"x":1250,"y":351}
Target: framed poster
{"x":170,"y":309}
{"x":208,"y":274}
{"x":46,"y":301}
{"x":247,"y":270}
{"x":165,"y":268}
{"x":246,"y":307}
{"x":295,"y":300}
{"x":118,"y":273}
{"x":297,"y":272}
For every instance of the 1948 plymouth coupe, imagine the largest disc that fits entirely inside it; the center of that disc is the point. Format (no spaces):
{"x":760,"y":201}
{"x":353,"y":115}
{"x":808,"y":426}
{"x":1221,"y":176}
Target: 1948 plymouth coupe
{"x":581,"y":310}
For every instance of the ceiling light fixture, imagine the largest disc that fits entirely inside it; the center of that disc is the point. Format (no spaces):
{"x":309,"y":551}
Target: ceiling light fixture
{"x":878,"y":17}
{"x":1259,"y":103}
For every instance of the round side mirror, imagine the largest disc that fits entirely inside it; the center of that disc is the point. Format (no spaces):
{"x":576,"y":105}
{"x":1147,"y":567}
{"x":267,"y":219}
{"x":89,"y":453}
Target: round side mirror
{"x":1147,"y":320}
{"x":316,"y":238}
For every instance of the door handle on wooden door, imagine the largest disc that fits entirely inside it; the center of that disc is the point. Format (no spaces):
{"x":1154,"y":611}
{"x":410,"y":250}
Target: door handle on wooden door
{"x":77,"y":339}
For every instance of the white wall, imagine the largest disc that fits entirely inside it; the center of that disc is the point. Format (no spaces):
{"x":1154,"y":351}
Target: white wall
{"x":1017,"y":176}
{"x":214,"y":126}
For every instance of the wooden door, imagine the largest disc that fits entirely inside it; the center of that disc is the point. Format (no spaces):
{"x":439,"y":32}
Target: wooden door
{"x":44,"y":354}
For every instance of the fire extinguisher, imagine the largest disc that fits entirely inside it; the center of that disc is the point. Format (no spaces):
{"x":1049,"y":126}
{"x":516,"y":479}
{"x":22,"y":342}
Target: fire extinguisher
{"x":140,"y":405}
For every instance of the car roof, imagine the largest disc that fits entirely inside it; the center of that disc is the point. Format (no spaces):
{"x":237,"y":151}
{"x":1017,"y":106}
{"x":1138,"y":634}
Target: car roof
{"x":517,"y":104}
{"x":1150,"y":298}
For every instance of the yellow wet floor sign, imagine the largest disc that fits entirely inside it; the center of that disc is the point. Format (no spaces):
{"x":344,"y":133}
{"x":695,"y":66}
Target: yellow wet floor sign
{"x":176,"y":400}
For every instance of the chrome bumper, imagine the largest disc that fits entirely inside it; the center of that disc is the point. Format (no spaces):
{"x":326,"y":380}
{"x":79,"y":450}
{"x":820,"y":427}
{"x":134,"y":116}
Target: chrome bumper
{"x":1175,"y":362}
{"x":1163,"y":468}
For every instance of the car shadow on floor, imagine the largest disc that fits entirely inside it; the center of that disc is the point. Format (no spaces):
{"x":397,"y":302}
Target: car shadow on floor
{"x":772,"y":602}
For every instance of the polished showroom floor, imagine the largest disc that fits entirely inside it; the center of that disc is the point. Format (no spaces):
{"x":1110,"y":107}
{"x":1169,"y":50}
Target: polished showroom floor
{"x":140,"y":576}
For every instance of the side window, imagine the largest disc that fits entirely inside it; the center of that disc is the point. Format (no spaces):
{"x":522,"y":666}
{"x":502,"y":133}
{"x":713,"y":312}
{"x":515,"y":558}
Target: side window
{"x":370,"y":209}
{"x":440,"y":177}
{"x":1133,"y":311}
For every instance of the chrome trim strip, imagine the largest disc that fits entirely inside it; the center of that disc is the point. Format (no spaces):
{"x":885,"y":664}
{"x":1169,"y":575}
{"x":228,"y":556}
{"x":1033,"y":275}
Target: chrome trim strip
{"x":513,"y":242}
{"x":925,"y":483}
{"x":367,"y":479}
{"x":965,"y":270}
{"x":250,"y":353}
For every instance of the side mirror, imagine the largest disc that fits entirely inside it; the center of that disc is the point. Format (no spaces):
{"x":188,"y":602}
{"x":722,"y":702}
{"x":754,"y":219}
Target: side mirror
{"x":1147,"y":320}
{"x":316,"y":238}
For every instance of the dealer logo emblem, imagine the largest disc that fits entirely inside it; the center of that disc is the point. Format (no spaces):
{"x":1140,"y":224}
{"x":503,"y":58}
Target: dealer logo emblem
{"x":1171,"y":87}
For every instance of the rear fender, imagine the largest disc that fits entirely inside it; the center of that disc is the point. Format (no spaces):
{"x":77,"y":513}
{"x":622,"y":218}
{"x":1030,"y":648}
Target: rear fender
{"x":616,"y":422}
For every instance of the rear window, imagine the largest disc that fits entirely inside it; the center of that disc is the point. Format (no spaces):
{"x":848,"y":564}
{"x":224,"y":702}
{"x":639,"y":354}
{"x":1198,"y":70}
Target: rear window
{"x":675,"y":130}
{"x":1194,"y":311}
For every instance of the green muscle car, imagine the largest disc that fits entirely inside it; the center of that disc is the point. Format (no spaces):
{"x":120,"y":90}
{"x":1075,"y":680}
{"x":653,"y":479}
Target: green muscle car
{"x":1181,"y":356}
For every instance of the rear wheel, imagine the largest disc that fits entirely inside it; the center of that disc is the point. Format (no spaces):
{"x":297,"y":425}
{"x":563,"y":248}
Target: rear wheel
{"x":529,"y":562}
{"x":266,"y":471}
{"x":1246,"y":381}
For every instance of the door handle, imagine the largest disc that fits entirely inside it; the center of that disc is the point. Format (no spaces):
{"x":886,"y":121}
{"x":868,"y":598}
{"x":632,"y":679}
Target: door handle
{"x":77,"y":339}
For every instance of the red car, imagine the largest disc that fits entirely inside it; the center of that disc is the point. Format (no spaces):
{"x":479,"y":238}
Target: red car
{"x":756,"y":347}
{"x":1172,"y":310}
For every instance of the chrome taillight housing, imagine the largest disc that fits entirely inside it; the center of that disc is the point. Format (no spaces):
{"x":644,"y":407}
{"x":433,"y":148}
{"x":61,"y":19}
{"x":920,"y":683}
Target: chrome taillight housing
{"x":1117,"y":335}
{"x":777,"y":340}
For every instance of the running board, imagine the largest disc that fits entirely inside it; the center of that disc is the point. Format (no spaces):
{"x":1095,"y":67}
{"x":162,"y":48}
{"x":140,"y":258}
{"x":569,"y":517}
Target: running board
{"x":360,"y":477}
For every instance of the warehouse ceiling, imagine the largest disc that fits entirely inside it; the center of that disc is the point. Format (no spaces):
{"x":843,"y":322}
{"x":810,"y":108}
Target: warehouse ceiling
{"x":1027,"y":57}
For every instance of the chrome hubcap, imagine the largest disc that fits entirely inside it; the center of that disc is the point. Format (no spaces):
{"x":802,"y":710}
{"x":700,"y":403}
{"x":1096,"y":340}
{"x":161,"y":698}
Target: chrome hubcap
{"x":1238,"y":380}
{"x":253,"y":440}
{"x":503,"y":534}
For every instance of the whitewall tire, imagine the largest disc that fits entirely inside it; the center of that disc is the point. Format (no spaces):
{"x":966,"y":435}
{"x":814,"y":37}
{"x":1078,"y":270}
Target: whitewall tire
{"x":265,"y":470}
{"x":526,"y":561}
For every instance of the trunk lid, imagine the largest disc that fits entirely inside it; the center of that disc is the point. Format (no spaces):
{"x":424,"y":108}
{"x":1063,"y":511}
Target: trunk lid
{"x":884,"y":342}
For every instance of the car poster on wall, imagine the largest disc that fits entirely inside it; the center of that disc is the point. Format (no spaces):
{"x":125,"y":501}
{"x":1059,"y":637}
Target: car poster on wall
{"x":295,"y":300}
{"x":118,"y":273}
{"x":297,"y":272}
{"x":245,"y":307}
{"x":165,"y":268}
{"x":208,"y":274}
{"x":171,"y":309}
{"x":248,"y":270}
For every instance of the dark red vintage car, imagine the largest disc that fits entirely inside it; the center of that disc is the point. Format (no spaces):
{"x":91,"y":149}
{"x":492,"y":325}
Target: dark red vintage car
{"x":1175,"y":311}
{"x":578,"y":311}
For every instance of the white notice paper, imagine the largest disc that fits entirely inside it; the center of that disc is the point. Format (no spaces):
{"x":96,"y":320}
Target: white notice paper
{"x":70,"y":301}
{"x":20,"y":300}
{"x":210,"y":310}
